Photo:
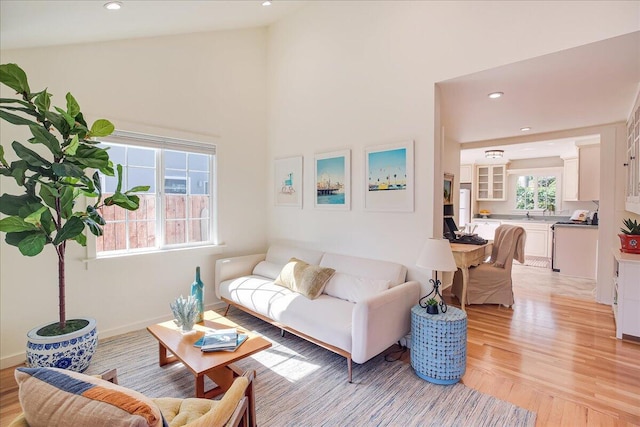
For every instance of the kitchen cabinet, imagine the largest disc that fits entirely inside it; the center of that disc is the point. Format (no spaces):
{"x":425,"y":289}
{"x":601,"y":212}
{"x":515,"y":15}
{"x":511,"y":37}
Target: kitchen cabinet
{"x":570,"y":180}
{"x":485,"y":228}
{"x":576,"y":250}
{"x":581,"y":175}
{"x":466,"y":174}
{"x":537,"y":240}
{"x":491,"y":183}
{"x":632,"y":160}
{"x":626,"y":294}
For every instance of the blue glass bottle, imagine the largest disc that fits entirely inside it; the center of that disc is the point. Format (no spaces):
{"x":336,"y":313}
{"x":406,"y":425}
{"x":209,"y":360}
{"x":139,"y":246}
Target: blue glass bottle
{"x":197,"y":291}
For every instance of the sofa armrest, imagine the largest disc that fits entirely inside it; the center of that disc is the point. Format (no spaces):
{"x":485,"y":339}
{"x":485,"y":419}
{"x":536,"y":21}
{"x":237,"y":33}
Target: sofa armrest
{"x":380,"y":321}
{"x":231,"y":268}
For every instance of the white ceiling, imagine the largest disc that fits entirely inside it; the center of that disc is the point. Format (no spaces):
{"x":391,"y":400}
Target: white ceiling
{"x":31,"y":23}
{"x":585,"y":86}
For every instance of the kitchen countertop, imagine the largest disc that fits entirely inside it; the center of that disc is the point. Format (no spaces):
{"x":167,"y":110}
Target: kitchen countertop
{"x":552,"y":220}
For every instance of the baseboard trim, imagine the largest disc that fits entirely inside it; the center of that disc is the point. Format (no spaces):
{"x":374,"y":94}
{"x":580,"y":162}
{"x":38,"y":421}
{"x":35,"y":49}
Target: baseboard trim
{"x":20,"y":358}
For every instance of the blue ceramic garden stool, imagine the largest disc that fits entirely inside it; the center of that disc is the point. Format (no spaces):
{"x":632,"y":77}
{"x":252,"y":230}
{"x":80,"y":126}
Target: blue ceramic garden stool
{"x":439,"y":345}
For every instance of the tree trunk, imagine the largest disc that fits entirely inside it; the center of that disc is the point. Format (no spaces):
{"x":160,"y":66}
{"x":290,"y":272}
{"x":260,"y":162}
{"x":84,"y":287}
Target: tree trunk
{"x":61,"y":286}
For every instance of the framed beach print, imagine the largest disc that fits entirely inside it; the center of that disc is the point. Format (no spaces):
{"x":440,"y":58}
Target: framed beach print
{"x":389,"y":175}
{"x":333,"y":180}
{"x":288,"y":181}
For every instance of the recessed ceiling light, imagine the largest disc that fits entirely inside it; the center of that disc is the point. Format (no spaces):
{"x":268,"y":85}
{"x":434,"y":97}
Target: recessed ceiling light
{"x":266,"y":3}
{"x":113,"y":5}
{"x":495,"y":95}
{"x":525,"y":129}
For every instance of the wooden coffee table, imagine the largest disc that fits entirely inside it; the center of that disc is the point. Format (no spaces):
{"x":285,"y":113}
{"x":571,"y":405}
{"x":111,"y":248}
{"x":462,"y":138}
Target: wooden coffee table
{"x":218,"y":366}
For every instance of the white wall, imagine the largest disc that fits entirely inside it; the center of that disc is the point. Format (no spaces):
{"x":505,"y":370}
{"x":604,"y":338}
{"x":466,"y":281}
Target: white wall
{"x":210,"y":87}
{"x":356,"y":74}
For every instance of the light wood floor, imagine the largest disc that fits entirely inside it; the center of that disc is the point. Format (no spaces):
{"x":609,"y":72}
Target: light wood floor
{"x":554,"y":353}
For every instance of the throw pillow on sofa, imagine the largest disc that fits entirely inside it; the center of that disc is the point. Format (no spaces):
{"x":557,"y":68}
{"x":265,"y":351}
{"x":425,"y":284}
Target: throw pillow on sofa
{"x":354,"y":288}
{"x":303,"y":278}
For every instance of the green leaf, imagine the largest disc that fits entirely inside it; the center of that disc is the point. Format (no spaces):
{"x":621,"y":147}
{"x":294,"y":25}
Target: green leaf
{"x":58,"y":122}
{"x":18,"y":171}
{"x":138,"y":189}
{"x":15,"y":224}
{"x":101,"y":127}
{"x":43,"y":136}
{"x":32,"y":244}
{"x":13,"y":76}
{"x":91,"y":156}
{"x":67,"y":117}
{"x":67,"y":169}
{"x":81,"y":239}
{"x":97,"y":185}
{"x":29,"y":156}
{"x":73,"y":146}
{"x":66,"y":202}
{"x":70,"y":230}
{"x":34,"y":218}
{"x":130,"y":203}
{"x":43,"y":101}
{"x":17,"y":101}
{"x":119,"y":186}
{"x":94,"y":226}
{"x":2,"y":159}
{"x":49,"y":195}
{"x":72,"y":105}
{"x":10,"y":204}
{"x":15,"y":119}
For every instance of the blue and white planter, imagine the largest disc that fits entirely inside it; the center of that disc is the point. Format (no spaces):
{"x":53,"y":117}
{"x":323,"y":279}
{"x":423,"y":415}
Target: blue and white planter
{"x":71,"y":351}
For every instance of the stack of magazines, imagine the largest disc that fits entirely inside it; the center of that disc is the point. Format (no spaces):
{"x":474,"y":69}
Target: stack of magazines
{"x":220,"y":340}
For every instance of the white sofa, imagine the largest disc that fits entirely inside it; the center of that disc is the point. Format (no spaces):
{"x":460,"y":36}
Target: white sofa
{"x":364,"y":308}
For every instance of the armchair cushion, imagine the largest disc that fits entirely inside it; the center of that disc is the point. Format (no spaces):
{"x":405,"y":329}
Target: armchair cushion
{"x":194,"y":412}
{"x":55,"y":397}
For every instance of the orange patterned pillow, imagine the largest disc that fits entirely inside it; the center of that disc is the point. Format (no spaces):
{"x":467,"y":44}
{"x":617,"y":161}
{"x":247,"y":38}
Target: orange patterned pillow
{"x":55,"y":397}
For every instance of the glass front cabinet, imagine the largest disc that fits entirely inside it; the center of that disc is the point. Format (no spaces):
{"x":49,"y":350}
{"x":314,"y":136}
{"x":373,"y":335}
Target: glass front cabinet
{"x":491,"y":182}
{"x":632,"y":160}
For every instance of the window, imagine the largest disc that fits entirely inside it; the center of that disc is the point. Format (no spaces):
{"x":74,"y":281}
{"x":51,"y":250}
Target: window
{"x":177,"y":209}
{"x":536,"y":192}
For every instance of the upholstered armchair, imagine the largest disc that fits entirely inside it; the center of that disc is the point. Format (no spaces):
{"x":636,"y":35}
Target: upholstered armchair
{"x":490,"y":282}
{"x":55,"y":397}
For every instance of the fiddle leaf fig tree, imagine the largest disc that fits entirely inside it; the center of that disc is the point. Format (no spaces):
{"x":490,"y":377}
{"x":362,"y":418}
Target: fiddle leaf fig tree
{"x":46,"y":211}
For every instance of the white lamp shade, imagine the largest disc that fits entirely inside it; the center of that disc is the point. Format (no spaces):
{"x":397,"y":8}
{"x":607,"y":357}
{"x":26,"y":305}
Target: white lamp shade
{"x":436,"y":255}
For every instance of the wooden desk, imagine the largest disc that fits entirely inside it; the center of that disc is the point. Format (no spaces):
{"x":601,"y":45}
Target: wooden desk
{"x":466,"y":256}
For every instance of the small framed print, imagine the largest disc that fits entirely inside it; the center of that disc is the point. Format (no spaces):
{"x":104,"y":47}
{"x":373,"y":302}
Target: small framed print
{"x":389,"y":170}
{"x":288,"y":181}
{"x":333,"y":180}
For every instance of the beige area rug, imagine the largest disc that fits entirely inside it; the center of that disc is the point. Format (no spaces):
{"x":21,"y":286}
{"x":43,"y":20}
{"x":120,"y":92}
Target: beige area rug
{"x":301,"y":384}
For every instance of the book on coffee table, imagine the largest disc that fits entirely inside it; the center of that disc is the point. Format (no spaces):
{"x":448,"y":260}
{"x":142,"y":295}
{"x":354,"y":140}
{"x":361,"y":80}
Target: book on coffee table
{"x":221,"y":340}
{"x":241,"y":338}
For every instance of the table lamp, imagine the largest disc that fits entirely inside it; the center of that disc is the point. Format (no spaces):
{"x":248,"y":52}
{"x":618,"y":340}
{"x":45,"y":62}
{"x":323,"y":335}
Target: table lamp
{"x":436,"y":255}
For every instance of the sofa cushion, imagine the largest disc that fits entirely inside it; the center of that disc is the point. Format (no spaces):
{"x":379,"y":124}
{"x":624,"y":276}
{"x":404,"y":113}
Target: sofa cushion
{"x":364,"y":267}
{"x":55,"y":397}
{"x":254,"y":292}
{"x":308,"y":280}
{"x":280,"y":254}
{"x":354,"y":288}
{"x":267,"y":269}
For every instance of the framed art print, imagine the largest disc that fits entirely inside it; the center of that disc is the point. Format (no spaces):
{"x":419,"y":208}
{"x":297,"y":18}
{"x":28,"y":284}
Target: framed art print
{"x":333,"y":180}
{"x":389,"y":175}
{"x":288,"y":181}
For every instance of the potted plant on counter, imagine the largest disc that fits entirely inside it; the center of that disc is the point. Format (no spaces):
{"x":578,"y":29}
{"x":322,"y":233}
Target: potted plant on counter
{"x":630,"y":236}
{"x":61,"y":168}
